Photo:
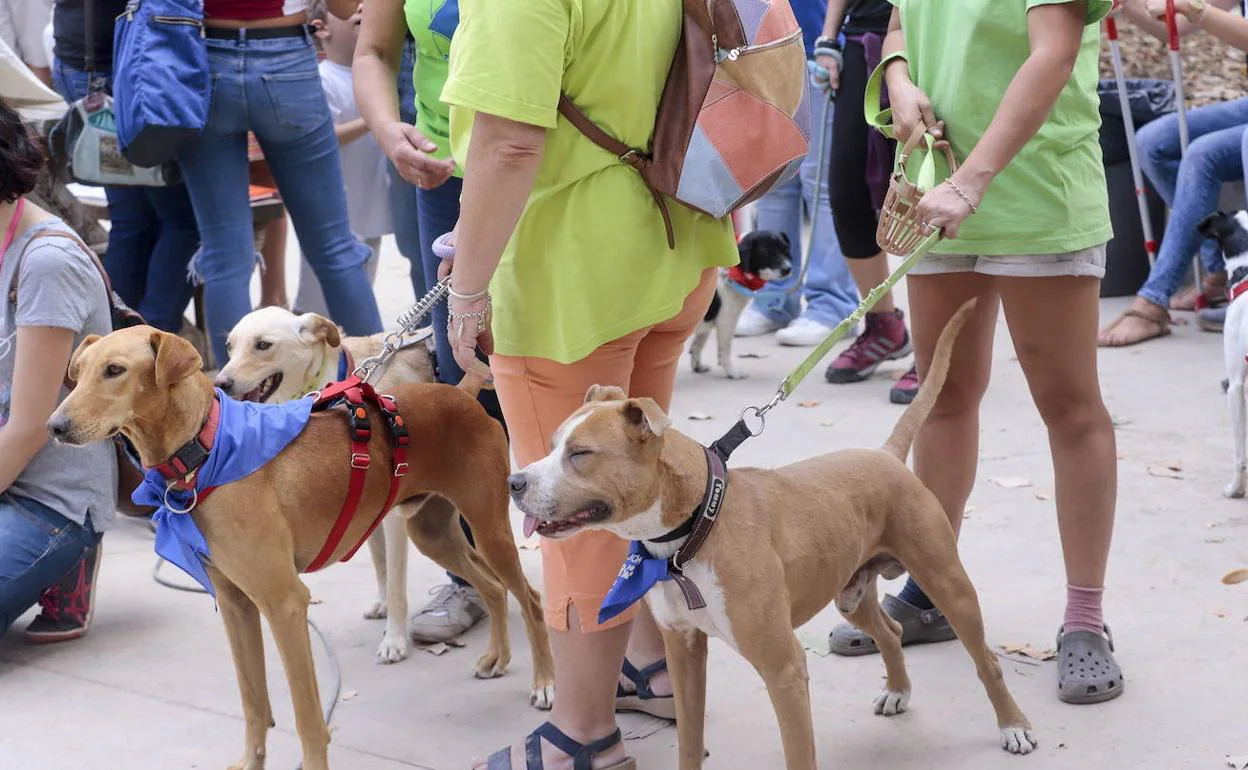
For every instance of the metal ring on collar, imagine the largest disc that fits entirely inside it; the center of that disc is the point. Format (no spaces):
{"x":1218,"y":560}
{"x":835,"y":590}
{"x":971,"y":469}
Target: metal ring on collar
{"x":189,"y":508}
{"x":754,"y":411}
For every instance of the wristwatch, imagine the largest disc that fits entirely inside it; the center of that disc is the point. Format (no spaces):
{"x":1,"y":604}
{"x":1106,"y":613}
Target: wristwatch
{"x":829,"y":43}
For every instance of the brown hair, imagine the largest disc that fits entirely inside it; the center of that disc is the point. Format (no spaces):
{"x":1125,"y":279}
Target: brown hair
{"x":21,"y":156}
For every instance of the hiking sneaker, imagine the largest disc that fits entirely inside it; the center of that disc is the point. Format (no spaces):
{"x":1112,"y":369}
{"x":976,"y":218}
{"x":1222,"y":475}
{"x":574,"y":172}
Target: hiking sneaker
{"x":453,"y":610}
{"x":66,"y":605}
{"x":754,"y":324}
{"x":803,"y":333}
{"x":905,"y":389}
{"x":1211,"y":319}
{"x":884,"y":339}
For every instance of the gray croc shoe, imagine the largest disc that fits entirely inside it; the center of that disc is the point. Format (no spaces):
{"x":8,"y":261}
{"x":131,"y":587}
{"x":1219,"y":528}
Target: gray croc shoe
{"x":1086,"y":670}
{"x":917,"y":627}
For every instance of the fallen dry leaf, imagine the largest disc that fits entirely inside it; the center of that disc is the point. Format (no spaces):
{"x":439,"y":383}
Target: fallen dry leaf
{"x":316,"y":601}
{"x":809,"y":404}
{"x":700,"y":416}
{"x":1215,"y":540}
{"x":1166,"y":470}
{"x":436,"y":649}
{"x":751,"y":355}
{"x":1027,"y":651}
{"x":1220,"y":613}
{"x":348,"y":695}
{"x":1011,"y":482}
{"x":457,"y":643}
{"x":1043,"y":496}
{"x":817,"y":642}
{"x":827,"y":424}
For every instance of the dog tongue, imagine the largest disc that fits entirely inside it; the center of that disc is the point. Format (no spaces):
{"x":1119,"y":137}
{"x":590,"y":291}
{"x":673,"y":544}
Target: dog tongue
{"x":530,"y":525}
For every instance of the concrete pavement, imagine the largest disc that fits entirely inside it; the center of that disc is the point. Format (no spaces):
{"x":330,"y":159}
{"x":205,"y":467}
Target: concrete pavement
{"x":152,"y":686}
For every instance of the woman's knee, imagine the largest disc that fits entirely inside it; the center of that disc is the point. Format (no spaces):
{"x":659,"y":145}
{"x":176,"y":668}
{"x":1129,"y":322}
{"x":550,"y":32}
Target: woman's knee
{"x":1071,"y":410}
{"x":961,"y":395}
{"x":1159,"y":139}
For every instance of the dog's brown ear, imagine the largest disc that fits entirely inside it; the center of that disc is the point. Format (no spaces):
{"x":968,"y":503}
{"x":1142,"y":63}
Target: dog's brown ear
{"x":604,"y":393}
{"x":176,"y":359}
{"x":318,"y":328}
{"x":76,"y":359}
{"x":646,"y":416}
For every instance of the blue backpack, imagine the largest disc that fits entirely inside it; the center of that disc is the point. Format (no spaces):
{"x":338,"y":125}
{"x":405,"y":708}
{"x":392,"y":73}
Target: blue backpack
{"x":161,"y":84}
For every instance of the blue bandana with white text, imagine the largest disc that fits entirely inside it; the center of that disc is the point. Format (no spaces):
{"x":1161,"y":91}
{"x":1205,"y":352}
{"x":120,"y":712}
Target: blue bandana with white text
{"x":248,"y":436}
{"x":640,"y":573}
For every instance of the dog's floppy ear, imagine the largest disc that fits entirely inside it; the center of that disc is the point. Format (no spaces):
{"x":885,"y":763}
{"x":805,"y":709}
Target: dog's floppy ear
{"x":604,"y":393}
{"x":785,"y":238}
{"x":75,"y":361}
{"x":176,"y":359}
{"x":647,"y":416}
{"x":318,"y":328}
{"x":1214,"y":225}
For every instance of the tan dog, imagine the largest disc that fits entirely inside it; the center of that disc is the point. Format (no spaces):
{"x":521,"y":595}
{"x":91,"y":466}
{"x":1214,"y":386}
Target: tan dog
{"x":796,"y":537}
{"x":277,"y":356}
{"x":264,"y":529}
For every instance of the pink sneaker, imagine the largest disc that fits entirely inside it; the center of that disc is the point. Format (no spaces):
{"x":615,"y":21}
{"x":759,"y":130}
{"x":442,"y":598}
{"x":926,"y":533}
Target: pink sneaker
{"x":884,"y":339}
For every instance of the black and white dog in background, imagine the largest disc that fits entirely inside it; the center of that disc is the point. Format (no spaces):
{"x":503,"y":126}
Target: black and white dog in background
{"x":765,"y":256}
{"x":1231,"y":232}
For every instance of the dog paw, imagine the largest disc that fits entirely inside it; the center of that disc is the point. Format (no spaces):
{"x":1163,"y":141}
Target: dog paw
{"x":1235,"y":489}
{"x":735,"y":374}
{"x":1018,"y":740}
{"x":377,"y":611}
{"x":394,"y":647}
{"x":542,"y":698}
{"x":491,"y":665}
{"x":891,"y":703}
{"x":701,"y":368}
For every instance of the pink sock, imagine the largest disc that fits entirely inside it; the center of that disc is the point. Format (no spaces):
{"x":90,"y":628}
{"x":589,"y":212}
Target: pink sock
{"x":1083,"y":609}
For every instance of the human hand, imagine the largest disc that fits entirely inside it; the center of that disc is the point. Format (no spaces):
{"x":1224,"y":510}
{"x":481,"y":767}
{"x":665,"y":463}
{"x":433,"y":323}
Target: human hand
{"x":1193,"y":11}
{"x":911,"y":109}
{"x":408,"y":150}
{"x":468,"y":327}
{"x":827,"y":74}
{"x":943,"y":208}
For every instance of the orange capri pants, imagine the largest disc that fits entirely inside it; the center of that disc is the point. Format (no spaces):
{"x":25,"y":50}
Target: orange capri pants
{"x":538,"y":394}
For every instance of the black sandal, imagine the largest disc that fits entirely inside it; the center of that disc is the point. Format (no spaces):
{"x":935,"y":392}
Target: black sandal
{"x":643,"y":699}
{"x":582,"y":753}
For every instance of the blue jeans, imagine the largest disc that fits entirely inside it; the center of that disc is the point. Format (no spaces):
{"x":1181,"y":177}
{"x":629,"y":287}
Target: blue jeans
{"x":272,"y":88}
{"x":1191,"y":186}
{"x":403,"y":207}
{"x":37,"y":547}
{"x":830,"y":291}
{"x":152,"y":238}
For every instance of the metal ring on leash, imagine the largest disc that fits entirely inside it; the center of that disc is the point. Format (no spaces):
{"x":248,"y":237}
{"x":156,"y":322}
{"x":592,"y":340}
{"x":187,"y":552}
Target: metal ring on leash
{"x":754,"y":411}
{"x":194,"y":499}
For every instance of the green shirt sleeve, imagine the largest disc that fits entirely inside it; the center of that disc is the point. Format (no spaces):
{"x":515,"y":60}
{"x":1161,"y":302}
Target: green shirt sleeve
{"x":508,"y":59}
{"x":1097,"y":9}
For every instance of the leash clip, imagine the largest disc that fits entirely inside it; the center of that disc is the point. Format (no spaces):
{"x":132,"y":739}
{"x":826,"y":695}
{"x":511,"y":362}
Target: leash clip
{"x":760,"y":414}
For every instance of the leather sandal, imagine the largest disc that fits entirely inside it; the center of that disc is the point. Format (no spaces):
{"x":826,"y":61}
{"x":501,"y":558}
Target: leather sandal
{"x":582,"y":753}
{"x":1161,"y":325}
{"x":642,"y":699}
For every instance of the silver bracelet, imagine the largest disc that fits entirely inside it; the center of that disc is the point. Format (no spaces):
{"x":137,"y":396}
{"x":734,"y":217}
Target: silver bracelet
{"x":467,"y":297}
{"x":965,"y":198}
{"x":455,"y":318}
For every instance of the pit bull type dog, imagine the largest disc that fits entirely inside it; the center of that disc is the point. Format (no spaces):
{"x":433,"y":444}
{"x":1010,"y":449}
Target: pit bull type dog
{"x":796,"y":537}
{"x":265,"y":528}
{"x":1231,"y":233}
{"x":764,"y":257}
{"x":277,"y":356}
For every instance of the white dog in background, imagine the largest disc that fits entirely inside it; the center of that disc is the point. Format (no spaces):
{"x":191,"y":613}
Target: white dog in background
{"x":1231,"y":232}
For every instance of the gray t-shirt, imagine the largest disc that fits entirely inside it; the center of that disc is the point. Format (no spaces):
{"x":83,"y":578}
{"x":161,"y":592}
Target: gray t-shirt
{"x":59,"y":286}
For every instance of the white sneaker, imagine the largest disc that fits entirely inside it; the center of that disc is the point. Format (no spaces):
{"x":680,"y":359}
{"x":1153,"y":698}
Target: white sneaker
{"x":803,"y":333}
{"x":754,"y":324}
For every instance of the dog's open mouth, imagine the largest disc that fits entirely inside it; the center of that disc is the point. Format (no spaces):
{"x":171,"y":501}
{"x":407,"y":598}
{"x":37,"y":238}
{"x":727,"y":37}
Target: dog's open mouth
{"x":265,"y":390}
{"x":591,"y":514}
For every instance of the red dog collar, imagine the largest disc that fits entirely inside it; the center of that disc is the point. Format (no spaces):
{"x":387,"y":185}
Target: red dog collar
{"x":181,"y":469}
{"x":751,"y":281}
{"x":1234,"y":292}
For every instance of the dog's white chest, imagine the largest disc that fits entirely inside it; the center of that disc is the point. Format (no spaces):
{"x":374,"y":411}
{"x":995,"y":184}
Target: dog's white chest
{"x":671,"y":611}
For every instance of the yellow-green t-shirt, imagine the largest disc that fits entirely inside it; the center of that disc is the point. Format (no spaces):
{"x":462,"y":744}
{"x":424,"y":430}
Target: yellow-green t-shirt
{"x":1051,"y":198}
{"x":432,"y":24}
{"x":589,"y":260}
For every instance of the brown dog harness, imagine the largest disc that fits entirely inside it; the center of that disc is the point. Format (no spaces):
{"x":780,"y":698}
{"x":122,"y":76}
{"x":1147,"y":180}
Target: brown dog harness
{"x":181,"y":470}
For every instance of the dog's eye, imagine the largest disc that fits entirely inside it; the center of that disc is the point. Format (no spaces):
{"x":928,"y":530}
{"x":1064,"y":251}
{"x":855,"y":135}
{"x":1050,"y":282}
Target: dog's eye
{"x":113,"y":370}
{"x":263,"y":345}
{"x":579,"y":454}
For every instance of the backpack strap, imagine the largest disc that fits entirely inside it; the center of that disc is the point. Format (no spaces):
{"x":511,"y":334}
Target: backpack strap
{"x":631,"y":156}
{"x":67,"y":235}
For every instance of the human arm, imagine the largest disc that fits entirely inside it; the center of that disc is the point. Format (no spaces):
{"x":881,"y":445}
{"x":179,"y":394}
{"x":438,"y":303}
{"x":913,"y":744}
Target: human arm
{"x":910,"y":106}
{"x":350,"y":131}
{"x":832,"y":28}
{"x":1138,"y":12}
{"x":376,"y":68}
{"x":503,"y":160}
{"x":1055,"y":34}
{"x":39,"y":366}
{"x":1210,"y":16}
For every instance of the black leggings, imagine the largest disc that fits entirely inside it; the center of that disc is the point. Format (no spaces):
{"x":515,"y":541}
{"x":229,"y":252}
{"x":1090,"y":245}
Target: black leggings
{"x":853,"y":210}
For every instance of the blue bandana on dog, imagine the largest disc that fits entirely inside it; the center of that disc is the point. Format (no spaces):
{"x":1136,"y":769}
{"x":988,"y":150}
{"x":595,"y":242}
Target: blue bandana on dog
{"x":248,"y":436}
{"x":640,"y":573}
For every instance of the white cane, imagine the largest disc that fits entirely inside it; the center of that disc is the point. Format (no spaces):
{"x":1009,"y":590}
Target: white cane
{"x":1128,"y":121}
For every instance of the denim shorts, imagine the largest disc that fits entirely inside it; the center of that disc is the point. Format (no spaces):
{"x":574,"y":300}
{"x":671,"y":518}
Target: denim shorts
{"x":1087,"y":262}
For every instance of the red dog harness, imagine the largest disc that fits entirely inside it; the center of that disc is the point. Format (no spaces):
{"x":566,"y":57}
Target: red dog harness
{"x":181,"y":470}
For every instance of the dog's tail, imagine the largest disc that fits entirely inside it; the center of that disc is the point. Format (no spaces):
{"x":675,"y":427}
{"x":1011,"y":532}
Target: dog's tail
{"x":1238,"y":576}
{"x":916,"y":414}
